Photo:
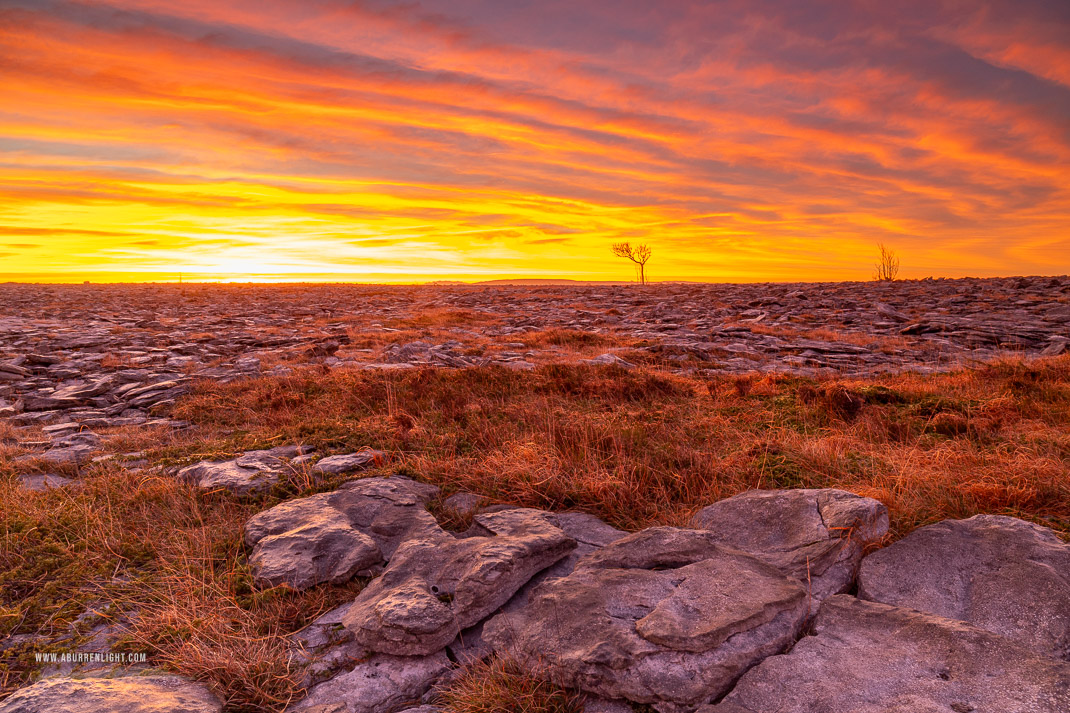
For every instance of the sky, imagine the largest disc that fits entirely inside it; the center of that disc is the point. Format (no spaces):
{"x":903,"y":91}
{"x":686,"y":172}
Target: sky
{"x":376,"y":141}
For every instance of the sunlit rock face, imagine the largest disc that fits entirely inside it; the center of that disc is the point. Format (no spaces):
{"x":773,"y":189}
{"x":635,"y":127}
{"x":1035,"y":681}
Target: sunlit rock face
{"x":865,"y":657}
{"x":997,"y":573}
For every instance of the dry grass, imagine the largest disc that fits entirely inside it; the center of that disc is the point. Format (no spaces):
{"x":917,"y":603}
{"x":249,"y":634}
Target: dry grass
{"x":635,"y":447}
{"x":566,"y":338}
{"x":640,"y":447}
{"x":163,"y":557}
{"x":439,"y":318}
{"x":499,"y":686}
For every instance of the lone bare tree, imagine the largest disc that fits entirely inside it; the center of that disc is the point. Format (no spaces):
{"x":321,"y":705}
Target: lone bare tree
{"x":887,"y":266}
{"x":638,"y":254}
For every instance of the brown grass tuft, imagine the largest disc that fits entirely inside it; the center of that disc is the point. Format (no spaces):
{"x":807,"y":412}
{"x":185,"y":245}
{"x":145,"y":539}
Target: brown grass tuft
{"x":501,"y":686}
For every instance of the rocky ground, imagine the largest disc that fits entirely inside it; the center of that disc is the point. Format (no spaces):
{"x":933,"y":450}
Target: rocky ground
{"x":766,"y":602}
{"x":77,"y":358}
{"x":769,"y":600}
{"x":106,"y":355}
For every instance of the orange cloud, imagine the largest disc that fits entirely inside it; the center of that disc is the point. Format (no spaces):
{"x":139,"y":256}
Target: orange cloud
{"x":379,"y":140}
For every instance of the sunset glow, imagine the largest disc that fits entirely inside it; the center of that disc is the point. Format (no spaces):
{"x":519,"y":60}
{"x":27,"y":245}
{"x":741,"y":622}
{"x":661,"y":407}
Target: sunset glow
{"x":476,"y":139}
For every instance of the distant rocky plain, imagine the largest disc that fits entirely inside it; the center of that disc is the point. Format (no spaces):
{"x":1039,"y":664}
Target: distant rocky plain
{"x":768,"y":601}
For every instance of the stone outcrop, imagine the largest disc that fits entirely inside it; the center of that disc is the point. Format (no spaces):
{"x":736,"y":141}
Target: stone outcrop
{"x":131,"y":694}
{"x":998,"y":573}
{"x":972,"y":614}
{"x":435,"y":586}
{"x":666,"y":616}
{"x":814,"y":535}
{"x":331,"y":537}
{"x":381,"y":684}
{"x":588,"y":531}
{"x":866,"y":657}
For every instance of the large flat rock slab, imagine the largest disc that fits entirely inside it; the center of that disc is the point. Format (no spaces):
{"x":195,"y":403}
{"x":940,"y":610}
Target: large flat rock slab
{"x":435,"y":586}
{"x":666,"y":616}
{"x":867,"y":657}
{"x":331,"y":537}
{"x":998,"y":573}
{"x":814,"y":535}
{"x":132,"y":694}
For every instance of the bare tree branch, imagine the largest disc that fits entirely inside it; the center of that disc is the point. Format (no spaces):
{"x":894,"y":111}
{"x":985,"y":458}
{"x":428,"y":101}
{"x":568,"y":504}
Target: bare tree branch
{"x":638,"y":254}
{"x":887,"y":268}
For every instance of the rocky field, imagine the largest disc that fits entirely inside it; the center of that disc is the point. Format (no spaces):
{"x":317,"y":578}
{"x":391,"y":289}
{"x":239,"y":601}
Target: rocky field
{"x":536,"y":499}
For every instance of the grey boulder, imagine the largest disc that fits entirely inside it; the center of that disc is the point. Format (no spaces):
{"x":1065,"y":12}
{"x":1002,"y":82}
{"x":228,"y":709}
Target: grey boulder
{"x":381,"y":684}
{"x":814,"y":535}
{"x":666,"y":616}
{"x":131,"y":694}
{"x":331,"y":537}
{"x":867,"y":657}
{"x":436,"y":586}
{"x":326,"y":548}
{"x":998,"y":573}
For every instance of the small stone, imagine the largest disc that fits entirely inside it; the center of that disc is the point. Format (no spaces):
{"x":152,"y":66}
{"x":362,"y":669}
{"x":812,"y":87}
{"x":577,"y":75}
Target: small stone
{"x":43,"y":482}
{"x":463,"y":504}
{"x":228,"y":475}
{"x":349,"y":463}
{"x":609,"y":359}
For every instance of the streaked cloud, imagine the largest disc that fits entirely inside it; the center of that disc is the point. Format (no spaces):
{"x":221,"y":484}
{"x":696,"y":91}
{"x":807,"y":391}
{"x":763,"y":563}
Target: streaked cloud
{"x":766,"y":139}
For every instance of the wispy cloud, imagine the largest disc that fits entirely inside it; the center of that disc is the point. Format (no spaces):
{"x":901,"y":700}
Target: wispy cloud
{"x":758,"y":139}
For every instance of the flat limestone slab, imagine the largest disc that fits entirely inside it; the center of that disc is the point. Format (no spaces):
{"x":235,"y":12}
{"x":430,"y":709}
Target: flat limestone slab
{"x":131,"y":694}
{"x":1000,"y":573}
{"x":867,"y":657}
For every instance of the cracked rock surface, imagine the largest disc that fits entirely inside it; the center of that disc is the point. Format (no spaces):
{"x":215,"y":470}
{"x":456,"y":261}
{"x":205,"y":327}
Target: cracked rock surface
{"x":814,"y":535}
{"x":331,"y":537}
{"x":378,"y":685}
{"x":437,"y":585}
{"x":998,"y":573}
{"x":866,"y":657}
{"x":666,"y":616}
